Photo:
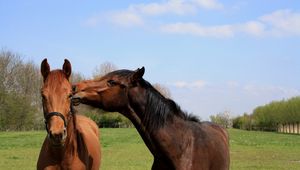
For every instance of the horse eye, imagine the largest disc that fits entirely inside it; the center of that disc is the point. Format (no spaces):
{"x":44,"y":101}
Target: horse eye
{"x":43,"y":97}
{"x":111,"y":83}
{"x":73,"y":88}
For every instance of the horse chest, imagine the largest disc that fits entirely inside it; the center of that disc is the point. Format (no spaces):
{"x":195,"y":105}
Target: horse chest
{"x":66,"y":164}
{"x":176,"y":146}
{"x":74,"y":164}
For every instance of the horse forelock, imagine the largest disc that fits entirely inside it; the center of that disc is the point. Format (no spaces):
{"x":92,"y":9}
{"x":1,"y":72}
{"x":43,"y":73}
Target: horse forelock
{"x":56,"y":78}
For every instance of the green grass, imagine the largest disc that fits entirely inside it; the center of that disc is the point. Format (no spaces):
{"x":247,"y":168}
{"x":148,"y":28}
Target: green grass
{"x":264,"y":150}
{"x":19,"y":150}
{"x":124,"y":149}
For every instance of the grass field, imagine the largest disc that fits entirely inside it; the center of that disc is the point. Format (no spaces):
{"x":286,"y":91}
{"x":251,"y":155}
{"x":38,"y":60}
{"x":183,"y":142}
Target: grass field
{"x":123,"y":149}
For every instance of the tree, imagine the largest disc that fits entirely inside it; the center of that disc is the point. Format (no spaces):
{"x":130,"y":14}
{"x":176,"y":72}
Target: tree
{"x":20,"y":84}
{"x":269,"y":116}
{"x":222,"y":119}
{"x":76,"y":77}
{"x":163,"y":90}
{"x":103,"y":69}
{"x":242,"y":122}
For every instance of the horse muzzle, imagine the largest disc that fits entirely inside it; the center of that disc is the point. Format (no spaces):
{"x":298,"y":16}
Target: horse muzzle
{"x":56,"y":134}
{"x":76,"y":100}
{"x":58,"y":138}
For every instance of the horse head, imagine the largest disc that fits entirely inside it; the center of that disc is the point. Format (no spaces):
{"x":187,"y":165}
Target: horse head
{"x":56,"y":98}
{"x":110,"y":92}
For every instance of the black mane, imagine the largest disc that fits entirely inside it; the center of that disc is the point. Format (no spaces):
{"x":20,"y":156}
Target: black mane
{"x":160,"y":109}
{"x":121,"y":73}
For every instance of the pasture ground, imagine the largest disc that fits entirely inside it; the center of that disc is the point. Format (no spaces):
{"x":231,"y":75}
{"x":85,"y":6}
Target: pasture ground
{"x":124,"y":149}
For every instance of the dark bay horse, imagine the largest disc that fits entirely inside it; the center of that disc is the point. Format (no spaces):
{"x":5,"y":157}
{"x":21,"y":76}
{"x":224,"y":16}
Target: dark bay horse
{"x":73,"y":140}
{"x":177,"y":140}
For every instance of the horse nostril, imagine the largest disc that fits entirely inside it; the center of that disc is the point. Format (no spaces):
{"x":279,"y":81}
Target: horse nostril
{"x":50,"y":134}
{"x":57,"y":137}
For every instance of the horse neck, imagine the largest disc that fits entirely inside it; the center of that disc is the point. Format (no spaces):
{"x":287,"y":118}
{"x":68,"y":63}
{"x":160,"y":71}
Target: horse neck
{"x":136,"y":112}
{"x":71,"y":143}
{"x":138,"y":124}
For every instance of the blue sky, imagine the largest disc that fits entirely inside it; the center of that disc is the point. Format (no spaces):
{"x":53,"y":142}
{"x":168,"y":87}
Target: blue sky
{"x":213,"y":55}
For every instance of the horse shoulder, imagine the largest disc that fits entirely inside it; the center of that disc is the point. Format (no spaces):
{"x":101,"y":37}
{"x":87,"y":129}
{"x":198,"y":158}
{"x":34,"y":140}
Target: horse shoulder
{"x":216,"y":130}
{"x":46,"y":160}
{"x":89,"y":131}
{"x":44,"y":157}
{"x":176,"y":142}
{"x":86,"y":125}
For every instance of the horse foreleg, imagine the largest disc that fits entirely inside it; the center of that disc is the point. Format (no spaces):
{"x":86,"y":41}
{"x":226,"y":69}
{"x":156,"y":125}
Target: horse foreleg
{"x":160,"y":163}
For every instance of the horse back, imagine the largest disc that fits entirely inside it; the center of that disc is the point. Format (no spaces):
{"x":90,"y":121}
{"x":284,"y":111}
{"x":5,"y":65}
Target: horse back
{"x":213,"y":141}
{"x":218,"y":131}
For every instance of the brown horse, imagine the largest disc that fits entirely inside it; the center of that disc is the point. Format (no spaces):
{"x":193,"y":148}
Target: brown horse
{"x":177,"y":140}
{"x":73,"y":140}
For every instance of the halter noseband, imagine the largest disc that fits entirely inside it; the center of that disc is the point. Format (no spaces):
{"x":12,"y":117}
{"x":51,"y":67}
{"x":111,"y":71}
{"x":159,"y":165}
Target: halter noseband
{"x":51,"y":114}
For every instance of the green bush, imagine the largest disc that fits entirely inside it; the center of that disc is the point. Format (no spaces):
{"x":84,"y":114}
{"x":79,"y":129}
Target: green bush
{"x":268,"y":117}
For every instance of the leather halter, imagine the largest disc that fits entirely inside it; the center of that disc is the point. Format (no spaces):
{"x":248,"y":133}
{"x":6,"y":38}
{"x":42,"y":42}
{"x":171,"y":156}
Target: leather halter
{"x":51,"y":114}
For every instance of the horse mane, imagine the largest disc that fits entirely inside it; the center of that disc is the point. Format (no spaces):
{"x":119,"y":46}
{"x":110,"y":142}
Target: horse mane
{"x":159,"y":109}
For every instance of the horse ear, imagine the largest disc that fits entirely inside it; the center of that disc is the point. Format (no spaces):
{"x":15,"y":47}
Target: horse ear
{"x":45,"y":68}
{"x":138,"y":74}
{"x":67,"y":68}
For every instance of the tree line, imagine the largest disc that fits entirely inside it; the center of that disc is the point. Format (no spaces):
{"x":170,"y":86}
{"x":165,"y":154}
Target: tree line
{"x":269,"y":116}
{"x":21,"y":108}
{"x":20,"y":98}
{"x":19,"y":93}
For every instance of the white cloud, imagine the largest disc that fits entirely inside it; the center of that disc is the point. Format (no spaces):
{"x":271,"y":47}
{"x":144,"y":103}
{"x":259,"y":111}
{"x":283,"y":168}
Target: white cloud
{"x":181,"y":84}
{"x":135,"y":14}
{"x":196,"y":84}
{"x":179,"y":7}
{"x":219,"y":31}
{"x":270,"y":90}
{"x":278,"y":23}
{"x":254,"y":28}
{"x":282,"y":22}
{"x":126,"y":19}
{"x":209,"y":4}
